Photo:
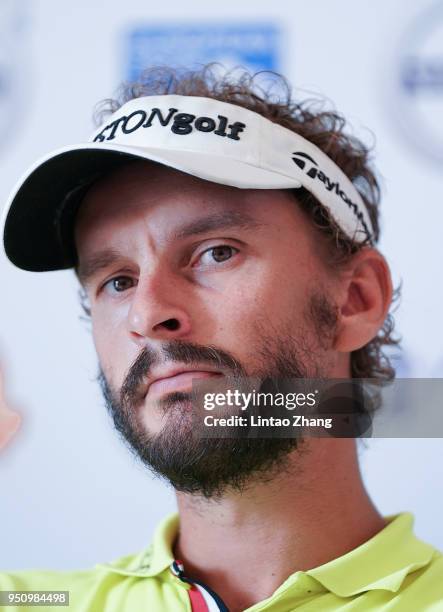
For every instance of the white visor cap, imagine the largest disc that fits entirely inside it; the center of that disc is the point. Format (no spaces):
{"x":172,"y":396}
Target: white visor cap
{"x":215,"y":141}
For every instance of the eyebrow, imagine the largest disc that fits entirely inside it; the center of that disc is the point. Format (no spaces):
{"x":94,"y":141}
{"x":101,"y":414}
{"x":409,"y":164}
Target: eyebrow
{"x":93,"y":264}
{"x":218,"y":221}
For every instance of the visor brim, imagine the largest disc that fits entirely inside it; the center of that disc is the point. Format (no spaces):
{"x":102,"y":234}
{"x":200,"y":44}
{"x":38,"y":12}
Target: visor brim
{"x":34,"y":239}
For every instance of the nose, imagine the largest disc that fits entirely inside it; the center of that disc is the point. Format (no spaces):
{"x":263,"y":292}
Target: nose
{"x":158,"y":310}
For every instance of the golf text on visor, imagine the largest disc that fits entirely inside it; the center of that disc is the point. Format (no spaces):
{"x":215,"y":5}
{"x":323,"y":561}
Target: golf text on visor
{"x":216,"y":141}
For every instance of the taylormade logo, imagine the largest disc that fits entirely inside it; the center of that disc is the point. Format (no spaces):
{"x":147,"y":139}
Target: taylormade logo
{"x":310,"y":166}
{"x":179,"y":123}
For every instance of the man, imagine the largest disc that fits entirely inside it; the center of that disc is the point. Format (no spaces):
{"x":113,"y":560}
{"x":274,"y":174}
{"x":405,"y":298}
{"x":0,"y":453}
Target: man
{"x":217,"y":235}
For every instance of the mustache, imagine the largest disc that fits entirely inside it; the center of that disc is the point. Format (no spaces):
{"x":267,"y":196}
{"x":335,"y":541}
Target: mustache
{"x":176,"y":351}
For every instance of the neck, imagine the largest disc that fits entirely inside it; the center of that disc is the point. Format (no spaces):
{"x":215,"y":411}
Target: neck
{"x":314,"y":512}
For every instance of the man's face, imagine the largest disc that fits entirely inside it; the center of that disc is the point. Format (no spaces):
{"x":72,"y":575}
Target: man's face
{"x":189,"y":279}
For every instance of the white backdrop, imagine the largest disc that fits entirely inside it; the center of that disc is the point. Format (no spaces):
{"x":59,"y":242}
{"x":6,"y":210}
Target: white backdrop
{"x":71,"y":495}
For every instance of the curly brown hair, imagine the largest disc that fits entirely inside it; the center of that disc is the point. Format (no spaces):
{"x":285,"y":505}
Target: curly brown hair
{"x":323,"y":127}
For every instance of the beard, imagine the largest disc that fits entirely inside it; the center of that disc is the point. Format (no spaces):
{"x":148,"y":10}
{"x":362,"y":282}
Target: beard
{"x":211,"y":466}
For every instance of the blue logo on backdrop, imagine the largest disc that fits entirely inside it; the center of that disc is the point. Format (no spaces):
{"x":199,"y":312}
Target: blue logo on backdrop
{"x":417,"y":87}
{"x":252,"y":46}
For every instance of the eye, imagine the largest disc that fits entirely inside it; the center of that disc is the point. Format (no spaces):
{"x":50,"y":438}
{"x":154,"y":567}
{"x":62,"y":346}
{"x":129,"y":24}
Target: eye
{"x":217,"y":255}
{"x":118,"y":284}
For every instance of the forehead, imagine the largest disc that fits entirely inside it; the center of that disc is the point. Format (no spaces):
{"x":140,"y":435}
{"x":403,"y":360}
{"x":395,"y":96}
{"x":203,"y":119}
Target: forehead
{"x":162,"y":199}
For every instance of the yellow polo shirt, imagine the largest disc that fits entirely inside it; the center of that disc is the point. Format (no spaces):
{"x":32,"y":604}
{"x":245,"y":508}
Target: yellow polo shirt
{"x":393,"y":571}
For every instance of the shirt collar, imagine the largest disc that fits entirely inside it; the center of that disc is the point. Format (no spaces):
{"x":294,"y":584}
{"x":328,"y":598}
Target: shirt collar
{"x":382,"y":562}
{"x":155,"y":558}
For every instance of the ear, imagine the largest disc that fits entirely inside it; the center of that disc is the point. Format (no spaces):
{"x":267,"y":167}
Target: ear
{"x":366,"y":294}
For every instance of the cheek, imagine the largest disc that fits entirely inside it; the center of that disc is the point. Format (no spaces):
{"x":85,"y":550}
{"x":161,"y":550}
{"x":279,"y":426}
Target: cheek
{"x":270,"y":296}
{"x":114,"y":352}
{"x":259,"y":302}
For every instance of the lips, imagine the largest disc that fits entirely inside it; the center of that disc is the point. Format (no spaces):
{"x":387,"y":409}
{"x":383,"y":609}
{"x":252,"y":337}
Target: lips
{"x":179,"y":381}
